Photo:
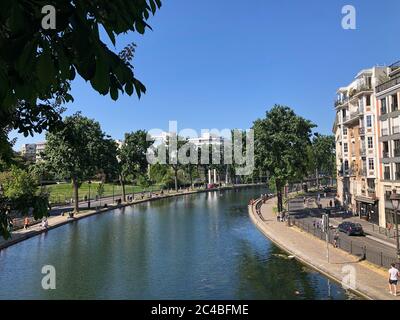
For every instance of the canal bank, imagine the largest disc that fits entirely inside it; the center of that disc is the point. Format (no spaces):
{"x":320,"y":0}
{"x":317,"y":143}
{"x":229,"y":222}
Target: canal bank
{"x":370,"y":282}
{"x":58,"y":221}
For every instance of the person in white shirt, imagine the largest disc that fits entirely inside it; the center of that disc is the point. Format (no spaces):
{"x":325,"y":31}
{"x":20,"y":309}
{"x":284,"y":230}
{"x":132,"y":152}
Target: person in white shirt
{"x":393,"y":279}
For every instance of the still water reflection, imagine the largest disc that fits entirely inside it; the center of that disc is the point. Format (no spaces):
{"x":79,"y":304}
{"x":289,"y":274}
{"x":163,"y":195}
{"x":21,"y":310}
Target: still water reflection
{"x":192,"y":247}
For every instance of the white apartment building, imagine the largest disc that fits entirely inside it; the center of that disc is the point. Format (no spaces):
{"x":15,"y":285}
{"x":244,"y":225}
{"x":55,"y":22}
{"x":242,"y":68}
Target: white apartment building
{"x":356,"y":132}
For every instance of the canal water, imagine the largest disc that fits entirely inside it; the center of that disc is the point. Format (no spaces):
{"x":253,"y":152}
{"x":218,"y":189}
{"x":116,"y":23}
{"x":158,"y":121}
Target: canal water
{"x":200,"y":246}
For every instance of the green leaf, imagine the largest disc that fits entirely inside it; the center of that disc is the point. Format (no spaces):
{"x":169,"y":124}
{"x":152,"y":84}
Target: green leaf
{"x":101,"y":80}
{"x":129,"y":88}
{"x":114,"y":93}
{"x":45,"y":69}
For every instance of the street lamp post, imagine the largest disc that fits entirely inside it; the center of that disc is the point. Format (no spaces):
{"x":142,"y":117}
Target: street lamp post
{"x":395,"y":199}
{"x":113,"y":191}
{"x":89,"y":182}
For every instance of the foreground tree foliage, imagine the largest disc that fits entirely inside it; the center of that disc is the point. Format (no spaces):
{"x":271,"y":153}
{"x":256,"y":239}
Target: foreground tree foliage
{"x":77,"y":151}
{"x":37,"y":65}
{"x":281,"y":141}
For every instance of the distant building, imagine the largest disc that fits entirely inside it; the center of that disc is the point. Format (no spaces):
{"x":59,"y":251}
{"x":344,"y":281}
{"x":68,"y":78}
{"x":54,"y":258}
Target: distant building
{"x":28,"y":152}
{"x":32,"y":152}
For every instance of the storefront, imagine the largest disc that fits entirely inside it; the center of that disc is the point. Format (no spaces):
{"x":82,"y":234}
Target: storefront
{"x":368,"y":209}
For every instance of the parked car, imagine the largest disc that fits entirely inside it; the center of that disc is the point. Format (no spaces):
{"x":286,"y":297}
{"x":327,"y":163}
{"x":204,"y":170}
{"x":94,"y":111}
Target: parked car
{"x":351,"y":228}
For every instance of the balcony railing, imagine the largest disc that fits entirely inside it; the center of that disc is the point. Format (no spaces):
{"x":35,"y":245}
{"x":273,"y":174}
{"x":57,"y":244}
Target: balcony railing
{"x":385,"y":154}
{"x":395,"y":67}
{"x":388,"y":84}
{"x":339,"y":102}
{"x":385,"y":132}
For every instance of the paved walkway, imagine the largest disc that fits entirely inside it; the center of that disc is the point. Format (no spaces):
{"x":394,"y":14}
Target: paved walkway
{"x":370,"y":281}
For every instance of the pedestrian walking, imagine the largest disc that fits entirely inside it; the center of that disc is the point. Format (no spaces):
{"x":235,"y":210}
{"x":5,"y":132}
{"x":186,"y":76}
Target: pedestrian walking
{"x":26,"y":223}
{"x":393,"y":279}
{"x":336,"y":239}
{"x":330,"y":203}
{"x":304,"y":200}
{"x":45,"y":223}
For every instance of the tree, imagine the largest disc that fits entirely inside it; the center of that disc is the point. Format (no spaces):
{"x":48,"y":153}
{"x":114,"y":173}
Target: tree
{"x":281,"y":141}
{"x":19,"y":193}
{"x":37,"y":63}
{"x":322,"y":155}
{"x":76,"y":152}
{"x":132,"y":156}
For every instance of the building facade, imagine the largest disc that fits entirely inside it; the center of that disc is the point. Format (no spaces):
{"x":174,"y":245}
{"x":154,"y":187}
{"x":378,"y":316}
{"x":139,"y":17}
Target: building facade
{"x":387,"y":99}
{"x":33,"y":152}
{"x":356,"y":132}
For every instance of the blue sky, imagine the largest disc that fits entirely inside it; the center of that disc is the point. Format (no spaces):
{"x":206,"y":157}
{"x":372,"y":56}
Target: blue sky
{"x":223,"y":63}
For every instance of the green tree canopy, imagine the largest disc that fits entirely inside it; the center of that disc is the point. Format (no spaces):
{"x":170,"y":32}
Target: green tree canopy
{"x":281,"y":141}
{"x":77,"y":151}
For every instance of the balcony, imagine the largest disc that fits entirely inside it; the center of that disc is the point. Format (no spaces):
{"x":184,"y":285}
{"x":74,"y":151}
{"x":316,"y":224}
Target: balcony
{"x":340,"y":102}
{"x":388,"y":84}
{"x":352,"y":117}
{"x":385,"y":132}
{"x":394,"y":68}
{"x":385,"y":154}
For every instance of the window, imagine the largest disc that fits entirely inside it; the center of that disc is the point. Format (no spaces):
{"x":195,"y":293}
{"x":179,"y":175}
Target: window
{"x":386,"y":173}
{"x":395,"y":104}
{"x":396,"y":148}
{"x":345,"y":131}
{"x":383,"y":106}
{"x":370,"y":143}
{"x":346,"y":165}
{"x":371,"y":164}
{"x":369,"y":121}
{"x":346,"y":147}
{"x":397,"y":174}
{"x":368,"y":100}
{"x":385,"y":151}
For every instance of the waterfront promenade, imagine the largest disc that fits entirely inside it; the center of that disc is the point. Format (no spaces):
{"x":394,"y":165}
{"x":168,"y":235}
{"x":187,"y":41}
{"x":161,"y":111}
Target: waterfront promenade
{"x":370,"y":282}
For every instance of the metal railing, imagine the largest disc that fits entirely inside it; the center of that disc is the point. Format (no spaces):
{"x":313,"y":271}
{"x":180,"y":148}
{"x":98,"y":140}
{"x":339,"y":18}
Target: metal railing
{"x":362,"y":251}
{"x":388,"y":84}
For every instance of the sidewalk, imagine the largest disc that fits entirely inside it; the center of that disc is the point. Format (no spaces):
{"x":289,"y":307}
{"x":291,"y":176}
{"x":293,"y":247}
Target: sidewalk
{"x":370,"y":282}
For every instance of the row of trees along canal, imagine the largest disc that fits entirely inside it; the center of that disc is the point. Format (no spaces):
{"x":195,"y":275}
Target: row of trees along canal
{"x":36,"y":69}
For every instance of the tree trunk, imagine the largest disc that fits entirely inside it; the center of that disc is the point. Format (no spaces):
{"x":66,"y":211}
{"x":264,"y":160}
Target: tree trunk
{"x":191,"y":179}
{"x":122,"y":182}
{"x":317,"y":176}
{"x":279,"y":194}
{"x":176,"y":180}
{"x":76,"y":194}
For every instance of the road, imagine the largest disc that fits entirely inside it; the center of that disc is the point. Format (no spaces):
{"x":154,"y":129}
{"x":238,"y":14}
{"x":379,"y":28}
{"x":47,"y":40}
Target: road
{"x":308,"y":214}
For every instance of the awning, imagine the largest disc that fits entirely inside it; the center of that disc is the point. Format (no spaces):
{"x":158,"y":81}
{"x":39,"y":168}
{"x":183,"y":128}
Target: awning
{"x":366,"y":200}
